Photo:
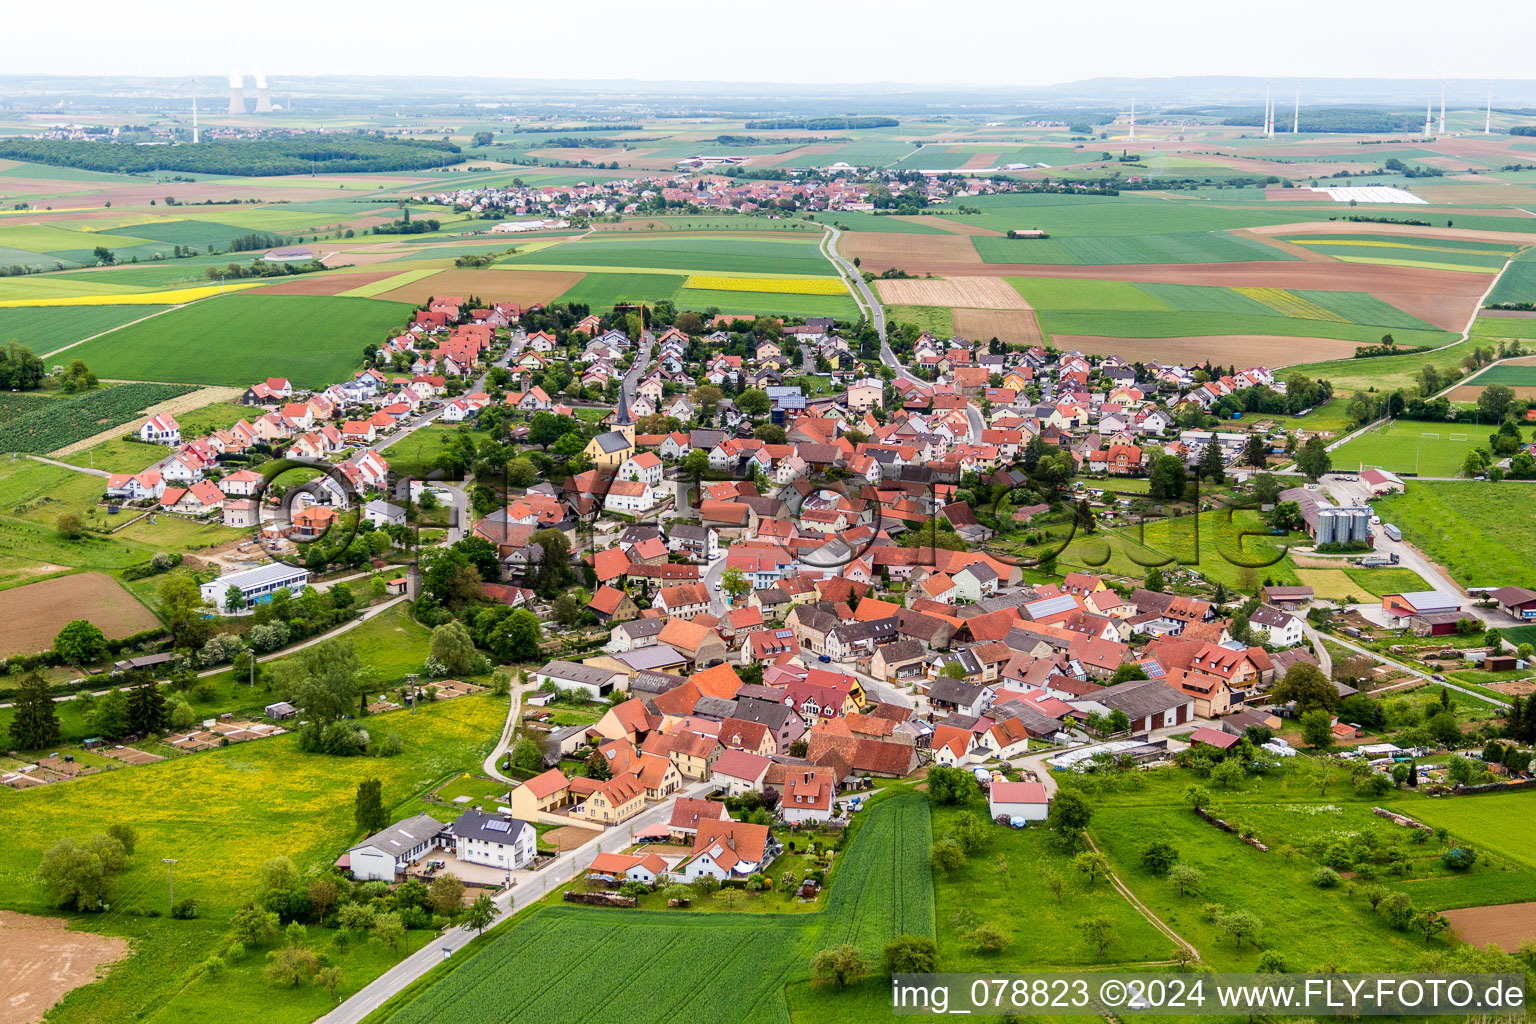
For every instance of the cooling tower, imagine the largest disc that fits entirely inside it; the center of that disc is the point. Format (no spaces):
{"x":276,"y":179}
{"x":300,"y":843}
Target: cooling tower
{"x":236,"y":95}
{"x":263,"y":96}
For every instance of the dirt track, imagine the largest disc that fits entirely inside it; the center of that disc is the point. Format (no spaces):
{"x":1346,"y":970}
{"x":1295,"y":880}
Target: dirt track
{"x":41,"y":960}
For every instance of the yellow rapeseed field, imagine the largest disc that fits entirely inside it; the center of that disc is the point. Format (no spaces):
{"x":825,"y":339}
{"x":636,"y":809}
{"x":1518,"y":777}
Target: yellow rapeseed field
{"x":171,"y":297}
{"x":779,"y":285}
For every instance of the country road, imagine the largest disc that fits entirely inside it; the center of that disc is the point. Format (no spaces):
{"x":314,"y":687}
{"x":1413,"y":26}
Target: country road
{"x":861,"y":291}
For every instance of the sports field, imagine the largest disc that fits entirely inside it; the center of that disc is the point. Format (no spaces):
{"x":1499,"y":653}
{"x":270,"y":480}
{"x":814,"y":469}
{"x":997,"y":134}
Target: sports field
{"x":1409,"y":446}
{"x":239,"y":339}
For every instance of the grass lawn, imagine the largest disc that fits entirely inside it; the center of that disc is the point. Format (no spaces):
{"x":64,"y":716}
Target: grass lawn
{"x":937,"y":320}
{"x":1479,"y":532}
{"x":1377,"y":582}
{"x":127,"y":454}
{"x":238,"y":339}
{"x":253,"y":801}
{"x":414,"y":455}
{"x":1410,"y":446}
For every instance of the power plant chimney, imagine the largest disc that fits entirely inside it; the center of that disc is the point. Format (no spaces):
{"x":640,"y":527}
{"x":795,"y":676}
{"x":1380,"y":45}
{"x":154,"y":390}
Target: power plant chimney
{"x":263,"y":96}
{"x":1133,"y":119}
{"x":236,"y":95}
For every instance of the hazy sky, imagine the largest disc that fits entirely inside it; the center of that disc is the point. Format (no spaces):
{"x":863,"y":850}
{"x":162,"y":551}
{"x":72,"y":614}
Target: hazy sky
{"x":1005,"y":42}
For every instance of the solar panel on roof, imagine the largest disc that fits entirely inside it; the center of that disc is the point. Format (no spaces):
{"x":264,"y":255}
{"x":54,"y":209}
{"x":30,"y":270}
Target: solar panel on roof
{"x":498,"y":825}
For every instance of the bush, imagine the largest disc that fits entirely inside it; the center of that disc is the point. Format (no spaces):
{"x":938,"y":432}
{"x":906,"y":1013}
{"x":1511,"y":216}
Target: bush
{"x":185,"y":910}
{"x":1460,"y":858}
{"x":1157,"y":857}
{"x":1325,"y":878}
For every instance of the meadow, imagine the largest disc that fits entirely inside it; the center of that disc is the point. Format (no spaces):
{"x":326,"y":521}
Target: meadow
{"x":1518,"y":284}
{"x":254,"y":801}
{"x":239,"y":339}
{"x":1479,"y":532}
{"x":1409,"y":446}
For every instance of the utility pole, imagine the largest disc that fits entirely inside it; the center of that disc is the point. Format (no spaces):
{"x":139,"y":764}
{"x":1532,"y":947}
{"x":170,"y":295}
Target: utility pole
{"x":170,"y":868}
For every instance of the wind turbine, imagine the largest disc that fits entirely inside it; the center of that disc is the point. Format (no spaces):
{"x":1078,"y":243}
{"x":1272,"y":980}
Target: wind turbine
{"x":1488,"y":118}
{"x":1442,"y":106}
{"x":1296,"y":124}
{"x":192,"y":83}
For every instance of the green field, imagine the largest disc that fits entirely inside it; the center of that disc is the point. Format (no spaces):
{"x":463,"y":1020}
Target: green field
{"x":1127,"y":310}
{"x":601,"y":291}
{"x":238,"y":339}
{"x":1409,"y":446}
{"x":1514,"y":375}
{"x":1478,"y":532}
{"x":46,"y":328}
{"x":1519,"y":282}
{"x":1179,"y":247}
{"x":1408,"y":251}
{"x":687,"y":253}
{"x":841,"y":307}
{"x":937,"y":320}
{"x":253,"y":801}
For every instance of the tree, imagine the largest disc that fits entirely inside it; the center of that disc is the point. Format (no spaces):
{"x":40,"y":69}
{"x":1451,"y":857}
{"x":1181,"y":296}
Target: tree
{"x":950,"y":785}
{"x":1240,"y":924}
{"x":181,"y":602}
{"x":1313,"y":459}
{"x":1165,"y":478}
{"x":388,"y":931}
{"x":989,"y":938}
{"x":526,"y":755}
{"x":597,"y":767}
{"x":769,"y":433}
{"x":565,"y":609}
{"x":1069,"y":811}
{"x":695,"y":463}
{"x":1128,"y":672}
{"x":735,"y":583}
{"x":1053,"y":882}
{"x":1197,"y":797}
{"x":839,"y":966}
{"x":368,"y":807}
{"x":1211,"y":466}
{"x":34,"y":716}
{"x":1228,"y":774}
{"x":1430,"y":924}
{"x":252,"y":926}
{"x":81,"y":875}
{"x":753,"y":402}
{"x":323,"y":897}
{"x":1099,"y":932}
{"x":970,"y":832}
{"x":447,"y":895}
{"x":1155,"y":581}
{"x":1494,"y":402}
{"x":1398,"y":910}
{"x":147,"y":709}
{"x":910,"y":954}
{"x":454,"y":648}
{"x":328,"y":978}
{"x":324,"y":679}
{"x":290,"y":965}
{"x":1091,"y":863}
{"x":524,"y":636}
{"x":1158,"y":857}
{"x":80,"y":643}
{"x":1255,"y":451}
{"x":1266,"y":488}
{"x":1187,"y":878}
{"x":1317,"y":729}
{"x":1306,"y":686}
{"x":947,"y":856}
{"x":480,"y":914}
{"x":278,"y":875}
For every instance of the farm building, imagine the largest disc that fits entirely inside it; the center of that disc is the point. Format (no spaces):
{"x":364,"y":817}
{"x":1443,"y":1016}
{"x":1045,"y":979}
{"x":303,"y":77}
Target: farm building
{"x":1026,"y":800}
{"x":1516,"y":601}
{"x":386,"y":853}
{"x":568,"y":675}
{"x":1420,"y":603}
{"x":256,"y":585}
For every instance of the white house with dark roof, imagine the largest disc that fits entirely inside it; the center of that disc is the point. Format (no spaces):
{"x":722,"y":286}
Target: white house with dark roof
{"x":495,"y":840}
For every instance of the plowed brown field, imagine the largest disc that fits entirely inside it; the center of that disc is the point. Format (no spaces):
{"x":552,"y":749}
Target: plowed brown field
{"x":42,"y":959}
{"x":1506,"y":926}
{"x":1017,"y":326}
{"x":33,"y":614}
{"x":912,"y":253}
{"x":970,"y":292}
{"x":325,"y":284}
